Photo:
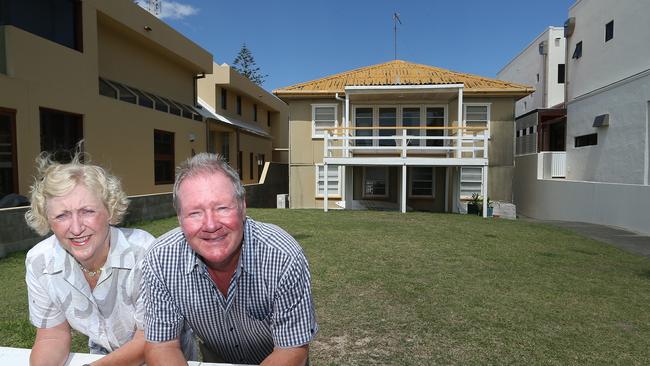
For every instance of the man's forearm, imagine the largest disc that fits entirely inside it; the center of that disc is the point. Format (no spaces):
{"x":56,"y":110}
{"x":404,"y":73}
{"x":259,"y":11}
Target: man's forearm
{"x":287,"y":357}
{"x":164,"y":353}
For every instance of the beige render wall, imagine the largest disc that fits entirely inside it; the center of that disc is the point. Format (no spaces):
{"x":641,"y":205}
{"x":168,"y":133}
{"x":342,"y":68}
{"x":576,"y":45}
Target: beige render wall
{"x":248,"y":144}
{"x":124,"y":57}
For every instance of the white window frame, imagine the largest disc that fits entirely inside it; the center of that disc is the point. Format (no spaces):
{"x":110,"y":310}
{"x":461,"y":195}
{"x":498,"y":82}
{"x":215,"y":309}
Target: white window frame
{"x":478,"y":179}
{"x":489,"y":114}
{"x":433,"y":182}
{"x":363,"y":182}
{"x":314,"y":134}
{"x":400,"y":116}
{"x":317,"y":170}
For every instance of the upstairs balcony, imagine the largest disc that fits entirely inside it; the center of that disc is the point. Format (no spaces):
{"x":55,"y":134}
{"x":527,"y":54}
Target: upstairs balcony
{"x":401,"y":145}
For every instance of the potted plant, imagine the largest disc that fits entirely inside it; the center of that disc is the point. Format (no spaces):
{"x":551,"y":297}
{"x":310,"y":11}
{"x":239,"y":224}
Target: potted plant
{"x":474,"y":205}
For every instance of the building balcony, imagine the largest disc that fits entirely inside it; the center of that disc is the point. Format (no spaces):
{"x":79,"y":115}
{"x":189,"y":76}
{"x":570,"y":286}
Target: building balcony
{"x":412,"y":146}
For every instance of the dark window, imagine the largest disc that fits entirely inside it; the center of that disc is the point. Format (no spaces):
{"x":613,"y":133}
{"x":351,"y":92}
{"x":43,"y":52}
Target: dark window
{"x":260,"y":165}
{"x":224,"y":99}
{"x":60,"y":133}
{"x":8,"y":167}
{"x":537,"y":77}
{"x":173,"y":109}
{"x":239,"y":105}
{"x":577,"y":53}
{"x":586,"y":140}
{"x":225,"y":146}
{"x":107,"y":89}
{"x":268,"y":118}
{"x":160,"y":105}
{"x":56,"y":20}
{"x":518,"y":133}
{"x":560,"y":73}
{"x":609,"y":31}
{"x":255,"y":112}
{"x":435,"y":118}
{"x":125,"y":94}
{"x":251,"y":159}
{"x":163,"y":152}
{"x":143,"y":100}
{"x":531,"y":130}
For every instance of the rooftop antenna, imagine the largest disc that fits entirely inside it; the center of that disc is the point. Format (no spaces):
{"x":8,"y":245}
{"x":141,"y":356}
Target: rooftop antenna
{"x":395,"y":20}
{"x":153,"y":6}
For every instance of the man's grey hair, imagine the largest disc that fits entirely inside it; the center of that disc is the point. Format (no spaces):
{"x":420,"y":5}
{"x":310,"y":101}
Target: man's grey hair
{"x":209,"y":163}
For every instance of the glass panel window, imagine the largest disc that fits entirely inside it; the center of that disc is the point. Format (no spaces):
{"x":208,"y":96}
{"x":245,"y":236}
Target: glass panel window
{"x":107,"y":89}
{"x":255,"y":112}
{"x":363,"y":118}
{"x":375,"y":182}
{"x":421,"y":184}
{"x":173,"y":108}
{"x":471,"y":181}
{"x":333,"y":180}
{"x":411,"y":118}
{"x":159,"y":105}
{"x":323,"y":116}
{"x":239,"y":105}
{"x":435,"y":118}
{"x":143,"y":100}
{"x":60,"y":133}
{"x":477,"y":115}
{"x":387,"y":118}
{"x":8,"y":168}
{"x":609,"y":31}
{"x":163,"y":150}
{"x":224,"y":99}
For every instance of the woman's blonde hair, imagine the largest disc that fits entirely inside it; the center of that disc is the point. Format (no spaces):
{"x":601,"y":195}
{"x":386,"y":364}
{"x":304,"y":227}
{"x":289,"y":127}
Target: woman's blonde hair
{"x":55,"y":179}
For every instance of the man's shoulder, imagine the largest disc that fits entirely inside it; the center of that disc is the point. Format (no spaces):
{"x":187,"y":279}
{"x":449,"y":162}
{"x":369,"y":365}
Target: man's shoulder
{"x":136,"y":237}
{"x":273,"y":238}
{"x":173,"y":240}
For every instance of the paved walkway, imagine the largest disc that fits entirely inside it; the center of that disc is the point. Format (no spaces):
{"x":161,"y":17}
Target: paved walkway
{"x":626,"y":240}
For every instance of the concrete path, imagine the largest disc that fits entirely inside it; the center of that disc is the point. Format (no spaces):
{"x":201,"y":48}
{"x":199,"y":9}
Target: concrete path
{"x":626,"y":240}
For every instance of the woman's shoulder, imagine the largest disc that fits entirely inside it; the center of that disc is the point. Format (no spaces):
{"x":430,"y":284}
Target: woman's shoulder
{"x":44,"y":248}
{"x":137,"y":237}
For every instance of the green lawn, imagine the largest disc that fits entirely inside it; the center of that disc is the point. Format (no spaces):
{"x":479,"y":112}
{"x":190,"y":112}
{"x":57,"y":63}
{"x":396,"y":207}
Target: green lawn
{"x":419,"y":288}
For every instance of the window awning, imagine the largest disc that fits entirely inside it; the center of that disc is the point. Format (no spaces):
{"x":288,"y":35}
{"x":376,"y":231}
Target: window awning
{"x":208,"y":112}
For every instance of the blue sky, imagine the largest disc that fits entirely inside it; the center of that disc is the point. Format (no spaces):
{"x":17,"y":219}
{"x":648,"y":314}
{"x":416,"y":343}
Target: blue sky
{"x":300,"y":40}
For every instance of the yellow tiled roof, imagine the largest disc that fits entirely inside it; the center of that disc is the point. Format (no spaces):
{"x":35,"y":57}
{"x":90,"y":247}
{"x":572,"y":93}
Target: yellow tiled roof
{"x":400,"y":72}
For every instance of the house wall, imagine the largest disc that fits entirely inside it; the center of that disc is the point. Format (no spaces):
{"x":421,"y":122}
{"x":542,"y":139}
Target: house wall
{"x":603,"y":63}
{"x":621,"y":153}
{"x":620,"y":205}
{"x":530,"y":67}
{"x":118,"y":135}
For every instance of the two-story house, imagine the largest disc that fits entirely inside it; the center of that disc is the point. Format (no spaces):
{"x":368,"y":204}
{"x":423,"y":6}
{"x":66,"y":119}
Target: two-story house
{"x":400,"y":136}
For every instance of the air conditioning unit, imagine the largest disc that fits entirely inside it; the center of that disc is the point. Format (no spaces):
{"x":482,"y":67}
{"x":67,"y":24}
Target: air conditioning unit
{"x":543,"y":48}
{"x":282,"y":201}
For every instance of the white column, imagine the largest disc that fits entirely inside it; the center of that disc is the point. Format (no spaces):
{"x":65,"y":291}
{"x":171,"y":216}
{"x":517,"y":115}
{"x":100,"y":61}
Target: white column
{"x":460,"y":123}
{"x":325,"y":188}
{"x":346,"y":124}
{"x":447,"y":209}
{"x":403,"y":188}
{"x":485,"y":190}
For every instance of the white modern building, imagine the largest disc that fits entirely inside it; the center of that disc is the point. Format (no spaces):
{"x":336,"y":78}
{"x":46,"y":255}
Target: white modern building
{"x":540,"y":122}
{"x":607,"y":128}
{"x":540,"y":65}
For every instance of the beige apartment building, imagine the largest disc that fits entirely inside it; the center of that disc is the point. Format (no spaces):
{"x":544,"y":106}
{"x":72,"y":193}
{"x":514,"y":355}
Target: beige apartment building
{"x":247,"y":124}
{"x":400,"y":136}
{"x":107,"y":72}
{"x":141,"y":96}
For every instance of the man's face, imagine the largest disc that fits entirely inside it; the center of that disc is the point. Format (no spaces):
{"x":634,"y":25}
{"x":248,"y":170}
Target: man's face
{"x":211,"y":219}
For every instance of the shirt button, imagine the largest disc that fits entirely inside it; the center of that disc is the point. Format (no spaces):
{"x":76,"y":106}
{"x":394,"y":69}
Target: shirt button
{"x":236,"y":346}
{"x":231,"y":329}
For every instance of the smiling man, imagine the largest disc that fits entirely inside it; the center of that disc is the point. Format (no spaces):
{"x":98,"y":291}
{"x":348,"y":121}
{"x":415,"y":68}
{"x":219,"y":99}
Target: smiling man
{"x":242,"y":286}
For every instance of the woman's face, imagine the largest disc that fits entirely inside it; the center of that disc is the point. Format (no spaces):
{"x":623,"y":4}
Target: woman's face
{"x":80,"y":222}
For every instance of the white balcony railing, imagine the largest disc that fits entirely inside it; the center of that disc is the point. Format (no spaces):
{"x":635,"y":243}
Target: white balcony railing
{"x":450,"y":142}
{"x":552,"y":164}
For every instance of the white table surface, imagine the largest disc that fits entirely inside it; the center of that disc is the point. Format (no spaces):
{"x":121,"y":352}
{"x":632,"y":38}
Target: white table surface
{"x":20,"y":356}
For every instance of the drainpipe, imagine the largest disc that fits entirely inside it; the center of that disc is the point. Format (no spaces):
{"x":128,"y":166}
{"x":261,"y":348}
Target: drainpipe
{"x":195,"y":78}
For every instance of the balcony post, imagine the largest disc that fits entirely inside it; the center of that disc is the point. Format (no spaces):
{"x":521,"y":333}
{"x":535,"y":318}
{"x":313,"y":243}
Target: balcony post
{"x":404,"y":142}
{"x":403,"y":193}
{"x":346,"y":124}
{"x":460,"y":123}
{"x":325,"y":188}
{"x":485,"y":189}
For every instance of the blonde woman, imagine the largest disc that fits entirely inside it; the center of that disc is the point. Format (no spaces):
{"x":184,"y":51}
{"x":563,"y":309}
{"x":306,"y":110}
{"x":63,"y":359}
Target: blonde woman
{"x":86,"y":276}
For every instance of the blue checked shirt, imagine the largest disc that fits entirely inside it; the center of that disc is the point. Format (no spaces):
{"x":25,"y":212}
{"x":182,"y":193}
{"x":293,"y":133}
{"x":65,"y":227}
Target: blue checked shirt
{"x":269,"y":302}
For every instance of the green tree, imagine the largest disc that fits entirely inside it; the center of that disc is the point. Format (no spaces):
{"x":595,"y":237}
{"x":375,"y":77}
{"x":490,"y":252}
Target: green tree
{"x":245,"y":64}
